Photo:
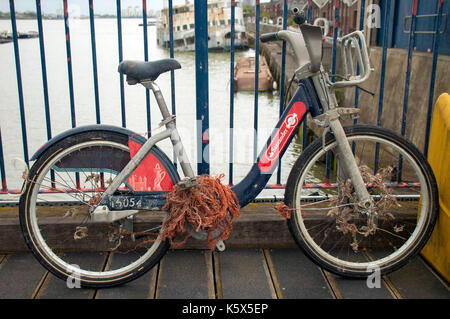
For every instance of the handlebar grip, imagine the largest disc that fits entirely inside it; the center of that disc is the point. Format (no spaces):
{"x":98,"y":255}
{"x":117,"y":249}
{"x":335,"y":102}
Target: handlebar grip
{"x":267,"y":37}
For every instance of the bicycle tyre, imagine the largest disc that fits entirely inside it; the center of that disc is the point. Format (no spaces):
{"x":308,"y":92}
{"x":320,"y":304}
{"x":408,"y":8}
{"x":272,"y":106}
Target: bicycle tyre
{"x":334,"y":256}
{"x":46,"y":249}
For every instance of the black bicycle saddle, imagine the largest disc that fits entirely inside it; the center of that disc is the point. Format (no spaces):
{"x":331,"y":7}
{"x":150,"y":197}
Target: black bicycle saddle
{"x":136,"y":71}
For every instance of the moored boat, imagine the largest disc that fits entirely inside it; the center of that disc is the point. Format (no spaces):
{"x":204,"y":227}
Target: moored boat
{"x":219,"y":26}
{"x":5,"y":37}
{"x":150,"y":22}
{"x":5,"y":40}
{"x":8,"y":37}
{"x":244,"y":75}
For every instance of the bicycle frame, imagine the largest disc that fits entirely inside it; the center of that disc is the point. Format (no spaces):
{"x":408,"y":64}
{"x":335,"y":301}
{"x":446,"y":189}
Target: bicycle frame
{"x":303,"y":101}
{"x":314,"y":95}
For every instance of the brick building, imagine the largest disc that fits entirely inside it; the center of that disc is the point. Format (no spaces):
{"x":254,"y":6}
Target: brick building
{"x":348,"y":16}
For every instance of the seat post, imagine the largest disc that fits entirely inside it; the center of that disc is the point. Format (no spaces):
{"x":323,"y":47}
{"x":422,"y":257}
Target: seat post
{"x":159,"y":97}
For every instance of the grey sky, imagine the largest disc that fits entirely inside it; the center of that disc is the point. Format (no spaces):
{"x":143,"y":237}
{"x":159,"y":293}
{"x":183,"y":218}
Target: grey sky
{"x":100,"y":6}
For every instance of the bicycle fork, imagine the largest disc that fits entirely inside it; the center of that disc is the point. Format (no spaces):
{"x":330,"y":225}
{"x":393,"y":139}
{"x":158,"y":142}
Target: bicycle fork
{"x":331,"y":120}
{"x":348,"y":159}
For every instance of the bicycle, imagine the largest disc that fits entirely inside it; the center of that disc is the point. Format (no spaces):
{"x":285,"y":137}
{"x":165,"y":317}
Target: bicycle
{"x":350,"y":217}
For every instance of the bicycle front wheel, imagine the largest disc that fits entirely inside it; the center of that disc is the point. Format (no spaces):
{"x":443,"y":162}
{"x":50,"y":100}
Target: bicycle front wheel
{"x":339,"y":235}
{"x":63,"y":187}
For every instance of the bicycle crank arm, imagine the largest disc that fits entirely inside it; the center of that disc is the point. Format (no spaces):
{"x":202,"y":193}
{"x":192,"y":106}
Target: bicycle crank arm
{"x":103,"y":215}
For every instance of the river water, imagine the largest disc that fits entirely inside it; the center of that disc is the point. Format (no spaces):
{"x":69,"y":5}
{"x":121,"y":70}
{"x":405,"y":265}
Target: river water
{"x":109,"y":95}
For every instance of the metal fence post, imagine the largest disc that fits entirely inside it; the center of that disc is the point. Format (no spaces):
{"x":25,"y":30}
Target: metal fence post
{"x":256,"y":95}
{"x":433,"y":75}
{"x":336,"y":22}
{"x":2,"y":165}
{"x":407,"y":81}
{"x":232,"y":35}
{"x":382,"y":76}
{"x":172,"y":72}
{"x":282,"y":78}
{"x":19,"y":80}
{"x":201,"y":83}
{"x":69,"y":65}
{"x":147,"y":91}
{"x":44,"y":69}
{"x":94,"y":61}
{"x":119,"y":42}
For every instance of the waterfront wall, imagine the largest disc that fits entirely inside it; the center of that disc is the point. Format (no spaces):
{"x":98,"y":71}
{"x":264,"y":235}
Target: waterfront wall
{"x":397,"y":60}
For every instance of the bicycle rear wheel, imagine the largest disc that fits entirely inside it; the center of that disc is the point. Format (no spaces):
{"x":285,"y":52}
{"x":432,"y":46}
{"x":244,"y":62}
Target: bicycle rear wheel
{"x":339,"y":235}
{"x":63,"y":185}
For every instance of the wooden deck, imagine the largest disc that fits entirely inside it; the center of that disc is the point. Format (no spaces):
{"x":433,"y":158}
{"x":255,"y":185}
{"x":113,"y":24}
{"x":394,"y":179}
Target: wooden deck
{"x":261,"y":262}
{"x":232,"y":274}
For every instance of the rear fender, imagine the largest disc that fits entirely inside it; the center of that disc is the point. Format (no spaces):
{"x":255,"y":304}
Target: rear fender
{"x":156,"y":172}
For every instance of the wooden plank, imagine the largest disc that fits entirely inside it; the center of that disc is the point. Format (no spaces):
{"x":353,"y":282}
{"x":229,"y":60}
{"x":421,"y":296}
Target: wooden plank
{"x":416,"y":281}
{"x":243,"y":275}
{"x":270,"y":274}
{"x":2,"y":257}
{"x":139,"y":288}
{"x":154,"y":281}
{"x":358,"y":288}
{"x":217,"y":275}
{"x":210,"y":274}
{"x":158,"y":280}
{"x":298,"y":277}
{"x":183,"y":275}
{"x":55,"y":288}
{"x":20,"y":273}
{"x":334,"y":289}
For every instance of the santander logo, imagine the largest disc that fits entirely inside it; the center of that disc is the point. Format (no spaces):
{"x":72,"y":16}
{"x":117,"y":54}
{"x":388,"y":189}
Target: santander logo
{"x":291,"y":120}
{"x":282,"y":136}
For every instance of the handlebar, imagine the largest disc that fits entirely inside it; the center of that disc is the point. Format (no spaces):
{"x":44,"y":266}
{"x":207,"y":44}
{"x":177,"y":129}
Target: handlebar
{"x":299,"y":18}
{"x":273,"y":36}
{"x":307,"y":48}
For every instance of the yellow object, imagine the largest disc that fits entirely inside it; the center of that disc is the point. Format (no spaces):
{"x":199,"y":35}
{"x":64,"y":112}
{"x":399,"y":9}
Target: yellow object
{"x":437,"y":250}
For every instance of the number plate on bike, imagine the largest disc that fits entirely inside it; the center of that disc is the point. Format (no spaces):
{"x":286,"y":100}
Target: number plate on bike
{"x":127,"y":202}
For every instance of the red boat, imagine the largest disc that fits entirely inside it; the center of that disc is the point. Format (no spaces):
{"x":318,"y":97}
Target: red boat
{"x":244,"y":75}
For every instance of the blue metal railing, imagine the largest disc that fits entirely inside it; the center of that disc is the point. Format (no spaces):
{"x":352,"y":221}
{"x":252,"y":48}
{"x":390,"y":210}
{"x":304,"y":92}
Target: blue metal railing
{"x":2,"y":166}
{"x":69,"y":64}
{"x":120,"y":48}
{"x":202,"y":85}
{"x":232,"y":54}
{"x":407,"y":81}
{"x":19,"y":81}
{"x":383,"y":75}
{"x":437,"y":33}
{"x":201,"y":62}
{"x":147,"y":91}
{"x":94,"y":61}
{"x":255,"y":116}
{"x":283,"y":71}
